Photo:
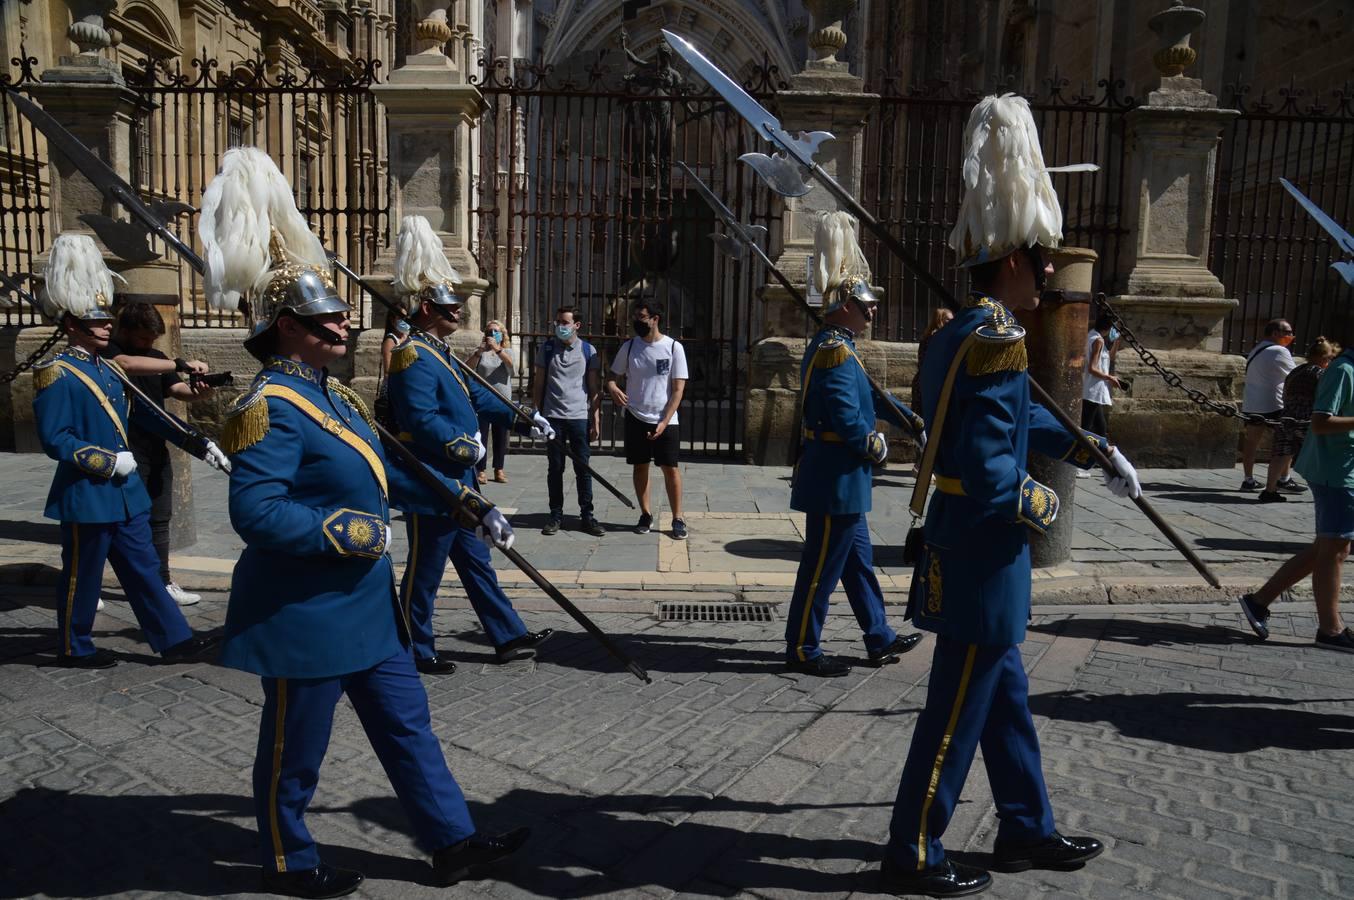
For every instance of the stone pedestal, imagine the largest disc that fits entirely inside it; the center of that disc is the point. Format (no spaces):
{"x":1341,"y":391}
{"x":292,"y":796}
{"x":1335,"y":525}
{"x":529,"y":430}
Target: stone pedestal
{"x":1056,"y":341}
{"x":430,"y":117}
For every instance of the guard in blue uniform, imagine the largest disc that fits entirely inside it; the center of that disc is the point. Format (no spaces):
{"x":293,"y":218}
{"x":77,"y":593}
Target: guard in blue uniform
{"x":82,"y":416}
{"x":436,"y":409}
{"x":313,"y":609}
{"x":972,"y":582}
{"x":839,"y":409}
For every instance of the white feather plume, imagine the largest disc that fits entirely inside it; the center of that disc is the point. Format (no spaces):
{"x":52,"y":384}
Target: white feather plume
{"x":419,"y":257}
{"x":836,"y":252}
{"x":247,"y":200}
{"x":1009,"y":200}
{"x":75,"y":277}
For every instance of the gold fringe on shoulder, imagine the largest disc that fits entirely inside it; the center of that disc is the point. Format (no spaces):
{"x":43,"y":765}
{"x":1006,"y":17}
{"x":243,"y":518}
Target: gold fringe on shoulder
{"x":246,"y":425}
{"x":45,"y":376}
{"x":353,"y":398}
{"x":831,"y":354}
{"x":991,"y":357}
{"x":403,"y":357}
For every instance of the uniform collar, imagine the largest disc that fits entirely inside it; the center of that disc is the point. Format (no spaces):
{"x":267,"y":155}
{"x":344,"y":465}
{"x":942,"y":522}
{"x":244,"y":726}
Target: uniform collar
{"x":840,"y":331}
{"x":298,"y":369}
{"x":79,"y":353}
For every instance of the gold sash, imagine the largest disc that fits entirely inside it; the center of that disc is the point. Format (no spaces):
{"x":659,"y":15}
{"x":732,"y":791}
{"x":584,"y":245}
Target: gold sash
{"x":928,"y":458}
{"x":99,"y":395}
{"x":333,"y":426}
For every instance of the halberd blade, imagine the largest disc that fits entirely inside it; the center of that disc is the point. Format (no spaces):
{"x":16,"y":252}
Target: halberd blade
{"x":128,"y":240}
{"x":782,"y":174}
{"x":1343,"y":239}
{"x":729,"y":245}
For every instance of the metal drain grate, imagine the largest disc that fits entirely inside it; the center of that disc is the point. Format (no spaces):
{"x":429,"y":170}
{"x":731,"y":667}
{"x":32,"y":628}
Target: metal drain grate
{"x":715,"y":612}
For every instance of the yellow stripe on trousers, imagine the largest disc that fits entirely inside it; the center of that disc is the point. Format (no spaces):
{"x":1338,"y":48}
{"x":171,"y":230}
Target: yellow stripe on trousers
{"x":70,"y":590}
{"x":813,"y":587}
{"x":279,"y":730}
{"x":940,"y":754}
{"x":409,"y":570}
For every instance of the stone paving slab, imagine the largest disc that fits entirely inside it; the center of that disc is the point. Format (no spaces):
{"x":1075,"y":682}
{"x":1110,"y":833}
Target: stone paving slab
{"x":1213,"y":766}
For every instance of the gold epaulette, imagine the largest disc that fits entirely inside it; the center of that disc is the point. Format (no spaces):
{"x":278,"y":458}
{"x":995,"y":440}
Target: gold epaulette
{"x":831,"y":353}
{"x":353,"y":398}
{"x":246,"y":422}
{"x":45,"y":375}
{"x":404,"y":356}
{"x":991,"y":354}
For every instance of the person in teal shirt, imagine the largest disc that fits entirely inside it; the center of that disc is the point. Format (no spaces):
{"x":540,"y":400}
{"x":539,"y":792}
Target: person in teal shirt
{"x":1327,"y":462}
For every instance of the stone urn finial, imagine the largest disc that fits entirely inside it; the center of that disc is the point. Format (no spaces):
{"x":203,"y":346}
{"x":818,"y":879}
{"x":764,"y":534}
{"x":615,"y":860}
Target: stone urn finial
{"x":86,"y":30}
{"x":1174,"y":25}
{"x":827,"y":38}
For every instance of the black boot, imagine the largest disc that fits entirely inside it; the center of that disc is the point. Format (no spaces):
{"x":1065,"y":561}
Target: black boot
{"x":451,"y":864}
{"x":435,"y":665}
{"x":820,"y":667}
{"x":195,"y":649}
{"x":99,"y":659}
{"x":1061,"y":854}
{"x":947,"y":879}
{"x":901,"y":644}
{"x":319,"y":882}
{"x":523,"y":647}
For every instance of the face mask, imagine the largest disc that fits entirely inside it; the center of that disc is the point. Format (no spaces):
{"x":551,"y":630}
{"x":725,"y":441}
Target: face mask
{"x":641,"y":328}
{"x":564,"y":332}
{"x":1114,"y":335}
{"x":497,"y":336}
{"x":402,"y":326}
{"x":1285,"y":340}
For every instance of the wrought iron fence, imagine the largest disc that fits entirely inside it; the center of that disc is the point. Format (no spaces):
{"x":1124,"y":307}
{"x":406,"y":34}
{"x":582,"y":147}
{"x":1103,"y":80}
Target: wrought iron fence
{"x":581,"y":204}
{"x":321,"y":125}
{"x":913,"y":152}
{"x":1268,"y":253}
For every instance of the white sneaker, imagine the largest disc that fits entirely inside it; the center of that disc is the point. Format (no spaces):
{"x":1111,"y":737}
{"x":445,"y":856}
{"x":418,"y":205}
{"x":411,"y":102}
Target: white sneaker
{"x":1084,"y":473}
{"x":182,"y":597}
{"x":101,"y":605}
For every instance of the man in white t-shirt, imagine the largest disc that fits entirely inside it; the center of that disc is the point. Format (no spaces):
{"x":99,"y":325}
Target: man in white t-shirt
{"x":1267,"y":365}
{"x":648,"y":377}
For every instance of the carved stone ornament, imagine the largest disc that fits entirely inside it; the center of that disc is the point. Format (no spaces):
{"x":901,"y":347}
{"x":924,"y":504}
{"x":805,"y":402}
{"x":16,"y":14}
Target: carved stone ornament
{"x":1174,"y":26}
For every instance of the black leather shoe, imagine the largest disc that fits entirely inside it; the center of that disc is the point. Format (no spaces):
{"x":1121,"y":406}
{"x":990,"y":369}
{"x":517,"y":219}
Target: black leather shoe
{"x":195,"y":649}
{"x":435,"y":665}
{"x":321,"y":881}
{"x":820,"y":667}
{"x":948,"y":879}
{"x":99,"y":659}
{"x":453,"y":863}
{"x":523,"y":647}
{"x":594,"y":527}
{"x":551,"y":527}
{"x":1061,"y":854}
{"x":901,"y":644}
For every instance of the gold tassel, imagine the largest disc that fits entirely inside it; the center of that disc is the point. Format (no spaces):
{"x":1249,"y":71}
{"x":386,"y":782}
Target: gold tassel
{"x":831,"y":354}
{"x":45,"y":376}
{"x":246,"y":426}
{"x":354,"y":400}
{"x":989,"y":358}
{"x":403,"y":357}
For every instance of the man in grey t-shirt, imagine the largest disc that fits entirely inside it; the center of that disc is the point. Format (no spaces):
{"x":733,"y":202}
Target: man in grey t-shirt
{"x":567,"y":388}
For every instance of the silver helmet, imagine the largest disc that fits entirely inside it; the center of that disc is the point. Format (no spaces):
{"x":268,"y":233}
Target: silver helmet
{"x":294,"y":287}
{"x":421,"y":268}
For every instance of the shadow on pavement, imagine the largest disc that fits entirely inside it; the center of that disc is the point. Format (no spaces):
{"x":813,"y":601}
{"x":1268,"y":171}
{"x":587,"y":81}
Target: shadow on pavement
{"x":660,"y":653}
{"x":885,"y":555}
{"x":30,"y":532}
{"x":1155,"y":486}
{"x":1193,"y":495}
{"x":1217,"y":723}
{"x":1142,"y":634}
{"x":1287,"y":547}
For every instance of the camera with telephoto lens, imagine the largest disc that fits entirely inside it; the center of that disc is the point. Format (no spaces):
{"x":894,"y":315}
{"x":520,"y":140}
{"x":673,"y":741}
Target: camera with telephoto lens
{"x":215,"y":380}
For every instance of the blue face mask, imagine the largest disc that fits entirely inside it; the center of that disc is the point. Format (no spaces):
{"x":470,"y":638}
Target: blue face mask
{"x":402,"y":326}
{"x":1114,"y":335}
{"x":564,"y":332}
{"x":497,"y":336}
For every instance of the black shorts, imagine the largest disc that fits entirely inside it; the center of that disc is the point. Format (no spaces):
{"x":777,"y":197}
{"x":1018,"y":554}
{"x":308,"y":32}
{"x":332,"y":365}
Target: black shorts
{"x":639,"y":450}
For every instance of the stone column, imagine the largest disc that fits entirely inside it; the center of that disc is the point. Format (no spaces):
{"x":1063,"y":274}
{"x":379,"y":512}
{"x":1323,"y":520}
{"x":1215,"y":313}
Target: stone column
{"x":1169,"y":298}
{"x":87,"y":94}
{"x":825,"y":96}
{"x":431,"y":113}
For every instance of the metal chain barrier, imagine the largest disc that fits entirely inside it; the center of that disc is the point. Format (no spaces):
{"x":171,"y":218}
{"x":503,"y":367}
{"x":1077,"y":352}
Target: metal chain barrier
{"x":33,"y":358}
{"x":1176,"y":380}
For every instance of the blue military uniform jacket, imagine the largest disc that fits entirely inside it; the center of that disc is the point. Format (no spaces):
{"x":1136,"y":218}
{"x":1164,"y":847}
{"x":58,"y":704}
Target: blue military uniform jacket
{"x":436,"y":409}
{"x":313,"y":595}
{"x":82,"y":416}
{"x":839,"y":410}
{"x":972,"y":582}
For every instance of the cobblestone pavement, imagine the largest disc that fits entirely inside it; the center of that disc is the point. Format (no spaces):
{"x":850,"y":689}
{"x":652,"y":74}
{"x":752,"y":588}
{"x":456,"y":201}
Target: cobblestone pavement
{"x":1211,"y":765}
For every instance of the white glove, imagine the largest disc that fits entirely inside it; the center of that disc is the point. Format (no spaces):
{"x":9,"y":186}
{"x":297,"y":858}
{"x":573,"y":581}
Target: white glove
{"x":495,"y":531}
{"x":920,"y":438}
{"x":479,"y":442}
{"x":390,"y":536}
{"x":126,"y":463}
{"x":216,"y":458}
{"x":1124,"y":483}
{"x":542,"y":428}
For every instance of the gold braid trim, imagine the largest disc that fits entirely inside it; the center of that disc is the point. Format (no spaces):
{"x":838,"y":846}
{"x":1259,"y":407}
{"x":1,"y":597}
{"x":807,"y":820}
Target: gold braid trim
{"x":45,"y":376}
{"x":404,"y":356}
{"x":991,"y":357}
{"x":831,"y":353}
{"x":354,"y":400}
{"x":246,"y":425}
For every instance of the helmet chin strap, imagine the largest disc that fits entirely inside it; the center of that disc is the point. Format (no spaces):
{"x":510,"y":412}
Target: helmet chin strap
{"x":328,"y":335}
{"x":446,"y":313}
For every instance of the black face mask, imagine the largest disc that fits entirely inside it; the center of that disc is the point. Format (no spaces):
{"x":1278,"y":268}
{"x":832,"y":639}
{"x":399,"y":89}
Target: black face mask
{"x":641,"y":328}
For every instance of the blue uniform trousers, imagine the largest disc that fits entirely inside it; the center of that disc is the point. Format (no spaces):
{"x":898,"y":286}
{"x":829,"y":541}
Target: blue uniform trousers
{"x":432,"y":539}
{"x":298,"y":715}
{"x":85,"y":547}
{"x":836,"y":549}
{"x":977,"y":693}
